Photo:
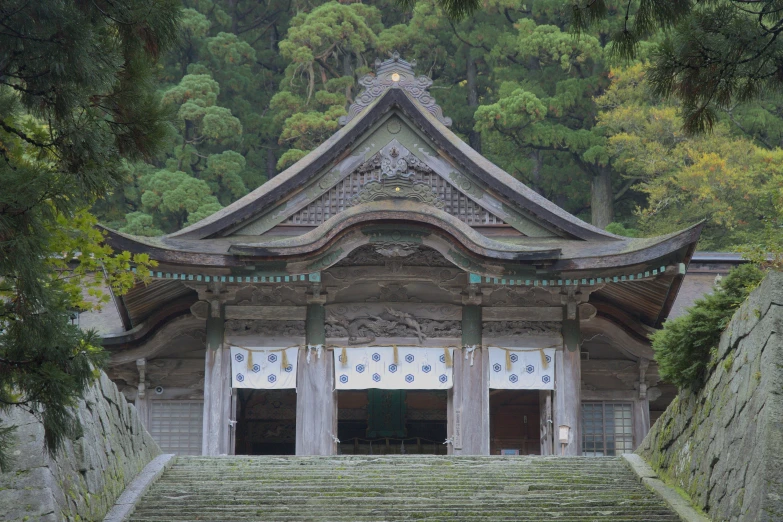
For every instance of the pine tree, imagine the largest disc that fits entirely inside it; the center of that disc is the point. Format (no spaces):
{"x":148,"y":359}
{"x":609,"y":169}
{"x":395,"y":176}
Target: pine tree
{"x":77,"y":97}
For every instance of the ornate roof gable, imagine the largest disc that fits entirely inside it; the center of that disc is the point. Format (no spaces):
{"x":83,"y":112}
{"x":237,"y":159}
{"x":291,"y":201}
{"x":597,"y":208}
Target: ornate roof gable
{"x":395,"y":73}
{"x":394,"y":172}
{"x":394,"y":102}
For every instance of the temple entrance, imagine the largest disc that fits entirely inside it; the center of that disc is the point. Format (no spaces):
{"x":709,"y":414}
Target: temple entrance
{"x":514,"y":420}
{"x":266,"y":422}
{"x":391,"y":422}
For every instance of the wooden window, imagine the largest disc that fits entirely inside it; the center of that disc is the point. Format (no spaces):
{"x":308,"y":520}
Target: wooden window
{"x":177,"y":426}
{"x":607,"y":428}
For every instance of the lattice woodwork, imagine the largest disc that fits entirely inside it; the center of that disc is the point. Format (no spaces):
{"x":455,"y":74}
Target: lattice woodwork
{"x":340,"y":197}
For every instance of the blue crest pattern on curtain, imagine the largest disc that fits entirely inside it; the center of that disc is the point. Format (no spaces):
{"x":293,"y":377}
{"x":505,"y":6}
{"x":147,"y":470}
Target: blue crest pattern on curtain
{"x":263,"y":368}
{"x":530,"y":368}
{"x":374,"y":367}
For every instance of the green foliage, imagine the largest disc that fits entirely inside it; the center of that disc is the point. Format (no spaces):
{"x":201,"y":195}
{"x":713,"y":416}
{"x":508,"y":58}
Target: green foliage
{"x":731,"y":183}
{"x":620,"y":230}
{"x":714,"y":54}
{"x":683,"y":347}
{"x":171,"y":200}
{"x":266,"y":82}
{"x":76,"y":100}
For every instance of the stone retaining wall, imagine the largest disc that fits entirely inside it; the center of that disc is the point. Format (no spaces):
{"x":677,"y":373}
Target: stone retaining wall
{"x":724,"y":444}
{"x":86,"y":477}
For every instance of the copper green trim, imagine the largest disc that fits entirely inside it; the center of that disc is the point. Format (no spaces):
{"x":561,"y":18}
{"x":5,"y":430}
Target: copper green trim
{"x":258,"y":277}
{"x":506,"y":281}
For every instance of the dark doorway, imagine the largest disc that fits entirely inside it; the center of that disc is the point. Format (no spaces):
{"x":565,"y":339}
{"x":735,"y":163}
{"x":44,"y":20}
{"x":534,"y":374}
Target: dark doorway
{"x":514,"y":422}
{"x":266,"y":422}
{"x":383,"y":422}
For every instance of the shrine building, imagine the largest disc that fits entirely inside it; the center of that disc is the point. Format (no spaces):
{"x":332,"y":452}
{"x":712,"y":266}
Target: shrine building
{"x":396,"y":292}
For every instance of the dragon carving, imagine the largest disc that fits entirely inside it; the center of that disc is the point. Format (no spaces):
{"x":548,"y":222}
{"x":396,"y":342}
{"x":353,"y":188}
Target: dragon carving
{"x":364,"y":330}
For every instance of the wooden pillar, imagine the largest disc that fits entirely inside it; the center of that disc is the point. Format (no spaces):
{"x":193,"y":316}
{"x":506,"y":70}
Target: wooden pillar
{"x":545,"y":411}
{"x":568,"y":385}
{"x":316,"y":398}
{"x":641,"y":414}
{"x":641,"y":421}
{"x":468,"y":400}
{"x":142,"y":402}
{"x":217,"y":386}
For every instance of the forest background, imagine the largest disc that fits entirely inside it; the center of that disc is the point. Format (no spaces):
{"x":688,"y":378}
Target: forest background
{"x":253,"y":85}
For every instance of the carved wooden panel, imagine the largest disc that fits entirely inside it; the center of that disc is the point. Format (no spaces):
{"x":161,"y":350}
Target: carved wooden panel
{"x":341,"y":196}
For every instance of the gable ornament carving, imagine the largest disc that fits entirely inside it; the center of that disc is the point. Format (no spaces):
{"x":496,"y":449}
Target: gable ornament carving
{"x":395,"y":73}
{"x":398,"y":181}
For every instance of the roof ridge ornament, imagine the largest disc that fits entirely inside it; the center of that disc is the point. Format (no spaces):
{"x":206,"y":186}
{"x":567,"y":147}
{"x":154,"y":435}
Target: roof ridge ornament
{"x":395,"y":73}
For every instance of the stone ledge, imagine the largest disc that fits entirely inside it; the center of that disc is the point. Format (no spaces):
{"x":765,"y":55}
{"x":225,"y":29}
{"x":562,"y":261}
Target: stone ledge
{"x":124,"y":506}
{"x":649,"y":478}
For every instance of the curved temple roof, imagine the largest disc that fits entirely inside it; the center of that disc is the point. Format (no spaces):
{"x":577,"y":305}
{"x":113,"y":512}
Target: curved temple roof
{"x":396,"y":174}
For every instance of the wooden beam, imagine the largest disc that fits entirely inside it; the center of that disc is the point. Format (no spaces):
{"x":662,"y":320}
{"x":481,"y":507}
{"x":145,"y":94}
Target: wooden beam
{"x":617,"y":337}
{"x":534,"y":313}
{"x":186,"y":324}
{"x":610,"y":395}
{"x":274,"y":313}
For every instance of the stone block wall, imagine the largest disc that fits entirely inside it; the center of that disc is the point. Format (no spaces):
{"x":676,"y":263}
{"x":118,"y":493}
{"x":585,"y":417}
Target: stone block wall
{"x":85,"y":478}
{"x":724,"y":444}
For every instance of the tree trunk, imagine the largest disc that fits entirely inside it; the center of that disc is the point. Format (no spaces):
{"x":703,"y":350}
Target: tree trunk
{"x":271,"y":163}
{"x":602,"y":203}
{"x":535,"y":171}
{"x":474,"y":137}
{"x":348,"y":71}
{"x":232,"y":7}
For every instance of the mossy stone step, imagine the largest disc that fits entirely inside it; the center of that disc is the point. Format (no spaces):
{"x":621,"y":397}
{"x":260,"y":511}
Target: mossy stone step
{"x":391,"y":488}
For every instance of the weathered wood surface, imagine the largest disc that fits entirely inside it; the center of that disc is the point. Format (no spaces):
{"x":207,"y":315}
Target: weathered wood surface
{"x":316,"y":398}
{"x":217,"y":391}
{"x":567,"y":402}
{"x":610,"y":395}
{"x":143,"y":409}
{"x":545,"y":411}
{"x":438,"y":311}
{"x":571,"y":333}
{"x":159,"y":341}
{"x":522,"y":313}
{"x":534,"y":313}
{"x":275,"y":313}
{"x":618,"y":337}
{"x":468,"y":400}
{"x":641,"y":420}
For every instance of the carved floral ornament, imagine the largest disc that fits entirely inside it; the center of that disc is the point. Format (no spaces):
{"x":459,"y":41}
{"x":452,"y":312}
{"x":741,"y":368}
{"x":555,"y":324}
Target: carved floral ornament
{"x":397,"y":180}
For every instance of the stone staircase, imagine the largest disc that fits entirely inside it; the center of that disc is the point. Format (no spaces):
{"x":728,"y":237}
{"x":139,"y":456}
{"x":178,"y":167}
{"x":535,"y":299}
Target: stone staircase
{"x":391,"y":488}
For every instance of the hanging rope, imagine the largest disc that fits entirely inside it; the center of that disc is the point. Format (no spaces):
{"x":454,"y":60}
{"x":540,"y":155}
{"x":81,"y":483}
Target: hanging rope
{"x":447,"y":357}
{"x":317,"y":348}
{"x":470,"y":350}
{"x":250,"y":351}
{"x":544,"y":362}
